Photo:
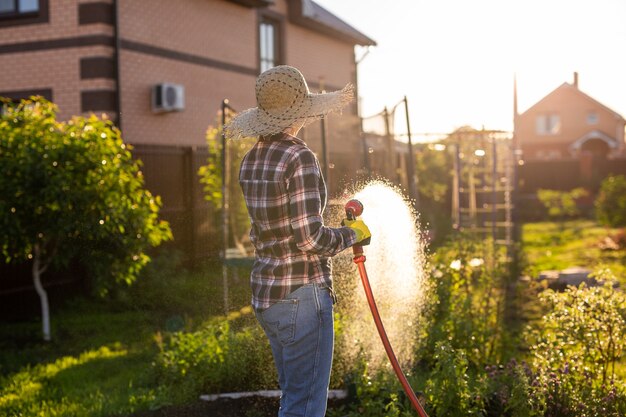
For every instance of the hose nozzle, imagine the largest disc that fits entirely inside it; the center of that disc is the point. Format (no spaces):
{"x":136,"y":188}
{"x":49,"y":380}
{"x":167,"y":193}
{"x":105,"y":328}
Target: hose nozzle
{"x":354,"y":208}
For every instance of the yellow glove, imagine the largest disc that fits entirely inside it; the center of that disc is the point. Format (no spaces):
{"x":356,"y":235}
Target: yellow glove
{"x":360,"y":228}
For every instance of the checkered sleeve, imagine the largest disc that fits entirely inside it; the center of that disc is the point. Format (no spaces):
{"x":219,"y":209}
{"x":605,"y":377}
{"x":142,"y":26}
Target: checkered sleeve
{"x":305,"y":209}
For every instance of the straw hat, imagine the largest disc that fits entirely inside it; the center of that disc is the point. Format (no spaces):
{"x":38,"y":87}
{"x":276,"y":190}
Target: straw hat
{"x":283,"y":99}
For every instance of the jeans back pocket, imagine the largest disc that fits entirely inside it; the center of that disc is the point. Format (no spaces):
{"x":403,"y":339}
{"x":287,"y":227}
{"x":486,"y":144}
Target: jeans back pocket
{"x":280,"y":320}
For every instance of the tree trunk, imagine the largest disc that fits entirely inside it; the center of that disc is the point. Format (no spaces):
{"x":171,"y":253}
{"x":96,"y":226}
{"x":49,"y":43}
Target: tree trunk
{"x":43,"y":296}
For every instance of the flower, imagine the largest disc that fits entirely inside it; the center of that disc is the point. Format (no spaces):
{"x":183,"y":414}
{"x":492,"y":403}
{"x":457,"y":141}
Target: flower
{"x":456,"y":264}
{"x":476,"y":262}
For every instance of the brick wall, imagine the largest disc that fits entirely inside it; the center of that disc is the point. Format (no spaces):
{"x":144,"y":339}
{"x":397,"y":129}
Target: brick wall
{"x":48,"y":55}
{"x":205,"y":87}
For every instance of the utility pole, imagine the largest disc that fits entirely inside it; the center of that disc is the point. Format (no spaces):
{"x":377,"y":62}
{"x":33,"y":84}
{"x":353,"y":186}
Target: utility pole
{"x":225,"y":208}
{"x":411,"y":163}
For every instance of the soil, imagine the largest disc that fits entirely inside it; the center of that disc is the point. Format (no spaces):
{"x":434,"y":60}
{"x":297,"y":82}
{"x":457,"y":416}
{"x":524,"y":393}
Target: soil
{"x":243,"y":407}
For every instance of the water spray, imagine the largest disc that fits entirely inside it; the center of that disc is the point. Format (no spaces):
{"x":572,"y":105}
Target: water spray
{"x":354,"y":208}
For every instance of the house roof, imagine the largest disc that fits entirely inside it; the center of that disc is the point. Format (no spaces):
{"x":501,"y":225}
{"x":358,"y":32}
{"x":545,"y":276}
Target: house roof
{"x":308,"y":14}
{"x":578,"y":91}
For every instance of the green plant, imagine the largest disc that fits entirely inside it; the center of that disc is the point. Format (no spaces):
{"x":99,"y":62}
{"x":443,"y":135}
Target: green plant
{"x":449,"y":390}
{"x":433,"y":167}
{"x":575,"y":349}
{"x":374,"y":393}
{"x":506,"y":390}
{"x":585,"y":326}
{"x":73,"y":191}
{"x":561,"y":204}
{"x":467,"y":302}
{"x":215,"y":359}
{"x":211,"y":176}
{"x":610,"y":204}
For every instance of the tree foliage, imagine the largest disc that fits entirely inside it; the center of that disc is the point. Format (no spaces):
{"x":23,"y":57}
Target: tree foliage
{"x":71,"y":190}
{"x":433,"y":167}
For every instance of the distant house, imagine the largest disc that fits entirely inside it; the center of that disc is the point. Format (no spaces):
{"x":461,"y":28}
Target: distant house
{"x":569,"y":139}
{"x":160,"y":69}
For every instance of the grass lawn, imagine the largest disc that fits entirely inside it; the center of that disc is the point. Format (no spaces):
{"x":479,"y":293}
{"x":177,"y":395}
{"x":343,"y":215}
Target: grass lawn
{"x":554,"y":246}
{"x":100,"y":360}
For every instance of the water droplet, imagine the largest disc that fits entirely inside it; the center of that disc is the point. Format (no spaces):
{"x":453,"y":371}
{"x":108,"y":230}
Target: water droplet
{"x":395,"y":266}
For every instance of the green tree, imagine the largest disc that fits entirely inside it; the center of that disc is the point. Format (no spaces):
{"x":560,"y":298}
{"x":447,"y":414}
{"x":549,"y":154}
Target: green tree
{"x":611,"y":202}
{"x":71,"y":190}
{"x":433,"y":166}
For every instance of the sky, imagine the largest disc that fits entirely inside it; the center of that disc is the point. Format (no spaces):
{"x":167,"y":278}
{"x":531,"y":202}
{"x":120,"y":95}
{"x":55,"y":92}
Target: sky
{"x":456,"y":60}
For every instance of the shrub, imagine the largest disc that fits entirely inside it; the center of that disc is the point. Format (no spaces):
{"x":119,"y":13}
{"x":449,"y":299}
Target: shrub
{"x":216,"y":359}
{"x":449,"y":390}
{"x":575,"y":349}
{"x":561,"y":204}
{"x":611,"y":202}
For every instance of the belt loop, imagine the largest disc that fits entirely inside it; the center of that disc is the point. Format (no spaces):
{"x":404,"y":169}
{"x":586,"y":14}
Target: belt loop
{"x":332,"y":294}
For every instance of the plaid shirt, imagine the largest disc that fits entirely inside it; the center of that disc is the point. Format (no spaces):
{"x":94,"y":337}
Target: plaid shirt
{"x":286,"y":195}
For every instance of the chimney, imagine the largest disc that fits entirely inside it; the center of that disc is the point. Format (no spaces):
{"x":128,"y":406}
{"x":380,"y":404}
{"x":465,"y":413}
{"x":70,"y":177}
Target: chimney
{"x":575,"y":79}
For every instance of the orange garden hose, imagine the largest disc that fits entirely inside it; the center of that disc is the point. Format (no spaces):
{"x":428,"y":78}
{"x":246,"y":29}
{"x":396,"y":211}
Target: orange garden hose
{"x":353,"y":209}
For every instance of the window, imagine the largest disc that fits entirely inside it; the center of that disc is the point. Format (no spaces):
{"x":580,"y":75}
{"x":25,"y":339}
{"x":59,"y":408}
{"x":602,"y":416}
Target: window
{"x":269,"y":50}
{"x":592,"y":118}
{"x":18,"y":7}
{"x":548,"y":124}
{"x":23,"y":12}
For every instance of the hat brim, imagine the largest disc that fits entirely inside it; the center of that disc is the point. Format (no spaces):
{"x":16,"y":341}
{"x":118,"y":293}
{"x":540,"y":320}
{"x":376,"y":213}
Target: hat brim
{"x":257,"y":122}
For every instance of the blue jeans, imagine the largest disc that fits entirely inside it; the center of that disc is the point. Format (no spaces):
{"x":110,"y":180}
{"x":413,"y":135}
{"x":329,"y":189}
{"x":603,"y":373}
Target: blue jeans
{"x":301,"y":334}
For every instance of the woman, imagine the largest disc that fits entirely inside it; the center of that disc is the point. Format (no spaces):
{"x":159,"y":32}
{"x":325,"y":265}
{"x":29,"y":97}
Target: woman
{"x":285,"y":194}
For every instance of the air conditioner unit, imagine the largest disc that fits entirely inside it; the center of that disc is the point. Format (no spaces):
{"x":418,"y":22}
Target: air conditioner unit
{"x":168,"y":97}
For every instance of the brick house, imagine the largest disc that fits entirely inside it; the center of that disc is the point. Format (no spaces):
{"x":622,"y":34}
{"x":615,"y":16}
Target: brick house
{"x":160,"y":69}
{"x":568,"y":139}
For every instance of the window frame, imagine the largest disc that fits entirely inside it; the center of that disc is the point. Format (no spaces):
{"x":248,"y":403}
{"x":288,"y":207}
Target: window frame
{"x":548,"y":124}
{"x":277,"y":21}
{"x":27,"y":18}
{"x":593,"y":118}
